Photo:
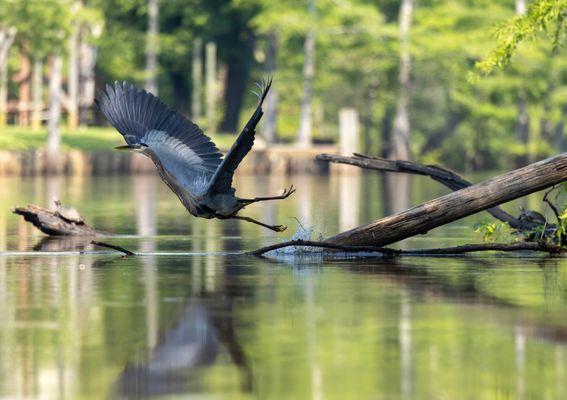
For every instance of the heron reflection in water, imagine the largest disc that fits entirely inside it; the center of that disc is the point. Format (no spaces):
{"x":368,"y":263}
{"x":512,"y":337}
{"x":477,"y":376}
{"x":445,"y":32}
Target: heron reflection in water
{"x":187,"y":160}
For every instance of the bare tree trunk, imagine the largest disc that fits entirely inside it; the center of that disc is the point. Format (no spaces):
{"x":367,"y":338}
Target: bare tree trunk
{"x":197,"y":77}
{"x":73,"y":78}
{"x":23,"y":78}
{"x":401,"y":131}
{"x":521,"y":7}
{"x":457,"y":205}
{"x":270,"y":126}
{"x":87,"y":62}
{"x":523,"y":122}
{"x":7,"y":37}
{"x":546,"y":125}
{"x":53,"y":133}
{"x":522,"y":128}
{"x":237,"y":67}
{"x":37,"y":94}
{"x":560,"y":130}
{"x":152,"y":47}
{"x":305,"y":132}
{"x":3,"y":94}
{"x":211,"y":85}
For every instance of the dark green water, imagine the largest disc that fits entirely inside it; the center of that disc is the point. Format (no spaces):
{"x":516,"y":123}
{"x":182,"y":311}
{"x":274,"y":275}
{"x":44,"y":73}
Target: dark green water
{"x":209,"y":324}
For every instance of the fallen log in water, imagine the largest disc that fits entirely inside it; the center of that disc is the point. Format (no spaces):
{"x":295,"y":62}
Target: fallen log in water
{"x":49,"y":222}
{"x":457,"y":205}
{"x":442,"y":175}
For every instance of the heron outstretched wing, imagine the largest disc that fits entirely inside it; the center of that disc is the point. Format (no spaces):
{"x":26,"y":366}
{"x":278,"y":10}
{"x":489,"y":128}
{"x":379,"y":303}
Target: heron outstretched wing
{"x":181,"y":147}
{"x":222,"y":179}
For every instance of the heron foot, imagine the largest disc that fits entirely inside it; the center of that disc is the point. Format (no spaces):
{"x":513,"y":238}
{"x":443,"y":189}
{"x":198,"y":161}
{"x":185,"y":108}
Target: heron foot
{"x":278,"y":228}
{"x":286,"y":193}
{"x":275,"y":228}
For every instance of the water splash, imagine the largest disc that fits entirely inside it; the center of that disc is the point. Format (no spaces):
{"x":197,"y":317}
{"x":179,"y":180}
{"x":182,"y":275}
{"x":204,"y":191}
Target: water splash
{"x":301,"y":233}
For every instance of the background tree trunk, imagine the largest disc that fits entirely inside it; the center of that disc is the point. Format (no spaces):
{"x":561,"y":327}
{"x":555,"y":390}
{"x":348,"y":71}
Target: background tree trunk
{"x":3,"y":94}
{"x":523,"y":122}
{"x":197,"y":77}
{"x":211,"y":85}
{"x":87,"y":63}
{"x":7,"y":37}
{"x":305,"y":132}
{"x":37,"y":94}
{"x":23,"y":78}
{"x":73,"y":76}
{"x":270,"y":126}
{"x":237,"y":76}
{"x":152,"y":47}
{"x":401,"y":140}
{"x":53,"y":133}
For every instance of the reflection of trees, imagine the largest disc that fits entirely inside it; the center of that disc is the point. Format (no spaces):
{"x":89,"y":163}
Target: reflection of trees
{"x":349,"y":195}
{"x":42,"y":304}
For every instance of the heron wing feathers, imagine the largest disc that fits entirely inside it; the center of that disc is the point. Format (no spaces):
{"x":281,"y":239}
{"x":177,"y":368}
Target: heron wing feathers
{"x":142,"y":118}
{"x":222,"y":179}
{"x":179,"y":160}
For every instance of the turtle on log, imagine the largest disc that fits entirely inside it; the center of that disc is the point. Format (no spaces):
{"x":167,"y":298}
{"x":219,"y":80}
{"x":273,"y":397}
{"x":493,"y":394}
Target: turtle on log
{"x":532,"y":216}
{"x":69,"y":214}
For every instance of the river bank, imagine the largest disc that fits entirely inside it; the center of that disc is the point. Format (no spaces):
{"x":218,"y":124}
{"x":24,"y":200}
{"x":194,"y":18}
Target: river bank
{"x":275,"y":159}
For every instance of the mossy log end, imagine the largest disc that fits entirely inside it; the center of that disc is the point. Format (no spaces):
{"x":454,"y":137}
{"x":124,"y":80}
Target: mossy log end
{"x":459,"y":204}
{"x":52,"y":224}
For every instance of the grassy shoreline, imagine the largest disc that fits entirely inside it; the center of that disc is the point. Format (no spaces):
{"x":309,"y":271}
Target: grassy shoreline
{"x":16,"y":138}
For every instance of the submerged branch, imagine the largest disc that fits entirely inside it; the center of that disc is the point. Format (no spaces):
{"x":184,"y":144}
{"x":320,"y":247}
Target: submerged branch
{"x":331,"y":246}
{"x":113,"y":247}
{"x":455,"y":250}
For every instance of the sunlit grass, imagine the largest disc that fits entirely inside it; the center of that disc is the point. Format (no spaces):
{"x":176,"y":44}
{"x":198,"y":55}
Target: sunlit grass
{"x":85,"y":139}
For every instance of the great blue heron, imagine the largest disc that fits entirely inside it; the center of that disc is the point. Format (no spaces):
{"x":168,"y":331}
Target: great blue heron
{"x":187,"y":160}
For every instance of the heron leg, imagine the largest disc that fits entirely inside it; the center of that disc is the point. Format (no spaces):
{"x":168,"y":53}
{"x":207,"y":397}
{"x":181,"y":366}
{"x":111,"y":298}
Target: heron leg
{"x":275,"y":228}
{"x":286,"y":193}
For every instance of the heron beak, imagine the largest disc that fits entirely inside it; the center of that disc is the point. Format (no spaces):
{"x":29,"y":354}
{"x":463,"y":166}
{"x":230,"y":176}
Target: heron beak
{"x":123,"y":148}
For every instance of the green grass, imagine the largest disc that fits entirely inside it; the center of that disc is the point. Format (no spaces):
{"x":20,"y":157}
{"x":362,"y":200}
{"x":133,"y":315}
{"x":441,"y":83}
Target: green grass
{"x":84,"y":139}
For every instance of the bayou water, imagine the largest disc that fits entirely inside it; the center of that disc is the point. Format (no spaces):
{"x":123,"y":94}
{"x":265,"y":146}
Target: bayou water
{"x":193,"y":318}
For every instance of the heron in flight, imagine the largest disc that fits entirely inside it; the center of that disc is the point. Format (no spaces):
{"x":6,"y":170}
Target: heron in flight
{"x":186,"y":159}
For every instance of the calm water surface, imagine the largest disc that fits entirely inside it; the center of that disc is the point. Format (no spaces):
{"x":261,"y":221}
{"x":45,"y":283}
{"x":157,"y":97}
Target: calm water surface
{"x":214,"y":325}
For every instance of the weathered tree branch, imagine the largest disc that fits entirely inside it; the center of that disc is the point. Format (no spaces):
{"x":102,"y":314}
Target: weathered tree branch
{"x":455,"y":250}
{"x":442,"y":175}
{"x":52,"y":224}
{"x":457,"y":205}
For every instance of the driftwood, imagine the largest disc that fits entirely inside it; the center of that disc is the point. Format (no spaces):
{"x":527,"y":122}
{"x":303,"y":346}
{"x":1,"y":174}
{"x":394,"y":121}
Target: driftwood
{"x":457,"y":205}
{"x":49,"y":222}
{"x":445,"y":176}
{"x":455,"y":250}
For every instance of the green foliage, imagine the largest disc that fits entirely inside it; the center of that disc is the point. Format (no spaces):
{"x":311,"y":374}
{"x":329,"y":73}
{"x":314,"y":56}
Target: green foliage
{"x":494,"y":231}
{"x":547,"y":16}
{"x":462,"y":125}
